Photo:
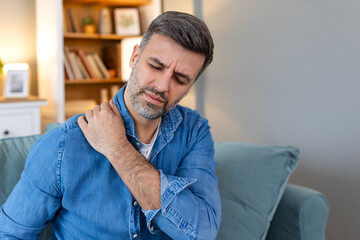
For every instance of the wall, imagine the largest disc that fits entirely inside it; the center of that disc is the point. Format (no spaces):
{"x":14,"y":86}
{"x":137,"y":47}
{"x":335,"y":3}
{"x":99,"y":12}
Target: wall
{"x":287,"y":73}
{"x":18,"y":35}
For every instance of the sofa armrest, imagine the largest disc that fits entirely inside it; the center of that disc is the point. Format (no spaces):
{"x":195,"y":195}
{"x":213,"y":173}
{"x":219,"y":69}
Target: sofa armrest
{"x":302,"y":214}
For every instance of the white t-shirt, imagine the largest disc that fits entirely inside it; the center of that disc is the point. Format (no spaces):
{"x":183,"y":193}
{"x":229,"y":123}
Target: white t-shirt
{"x":146,"y":149}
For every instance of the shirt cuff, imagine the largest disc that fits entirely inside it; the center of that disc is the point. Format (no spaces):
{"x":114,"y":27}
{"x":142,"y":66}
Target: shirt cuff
{"x":170,"y":186}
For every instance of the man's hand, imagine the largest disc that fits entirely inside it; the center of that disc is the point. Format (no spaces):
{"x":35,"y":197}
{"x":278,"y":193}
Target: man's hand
{"x":104,"y":129}
{"x":105,"y":132}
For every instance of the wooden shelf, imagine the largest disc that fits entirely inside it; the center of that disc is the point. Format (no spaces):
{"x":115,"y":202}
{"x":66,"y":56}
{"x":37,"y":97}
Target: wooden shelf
{"x":52,"y":84}
{"x":70,"y":35}
{"x":93,"y":81}
{"x":30,"y":98}
{"x":125,"y":3}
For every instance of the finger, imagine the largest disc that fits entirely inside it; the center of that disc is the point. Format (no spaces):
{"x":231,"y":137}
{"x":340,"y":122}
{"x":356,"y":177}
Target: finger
{"x":82,"y":123}
{"x":97,"y":108}
{"x":114,"y":108}
{"x":105,"y":105}
{"x":89,"y":114}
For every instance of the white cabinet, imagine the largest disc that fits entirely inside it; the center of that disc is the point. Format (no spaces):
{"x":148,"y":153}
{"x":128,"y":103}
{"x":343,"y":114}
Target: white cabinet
{"x":20,"y":117}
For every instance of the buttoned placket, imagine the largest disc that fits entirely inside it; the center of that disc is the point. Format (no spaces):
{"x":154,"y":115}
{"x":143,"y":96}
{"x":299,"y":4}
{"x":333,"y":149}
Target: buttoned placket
{"x":135,"y":208}
{"x":134,"y":220}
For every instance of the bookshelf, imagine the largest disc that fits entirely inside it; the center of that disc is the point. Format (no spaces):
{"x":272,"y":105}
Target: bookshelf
{"x":124,"y":3}
{"x":87,"y":36}
{"x":54,"y":36}
{"x":91,"y":81}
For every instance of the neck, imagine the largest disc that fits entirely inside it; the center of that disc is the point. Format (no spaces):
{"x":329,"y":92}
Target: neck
{"x":145,"y":128}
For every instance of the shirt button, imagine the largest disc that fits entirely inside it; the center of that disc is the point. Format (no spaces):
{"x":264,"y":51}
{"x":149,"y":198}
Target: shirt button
{"x":135,"y":235}
{"x":138,"y":144}
{"x":135,"y":203}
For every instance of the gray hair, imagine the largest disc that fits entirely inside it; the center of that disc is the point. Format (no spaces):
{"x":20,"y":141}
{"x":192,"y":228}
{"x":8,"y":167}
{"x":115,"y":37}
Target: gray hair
{"x":187,"y":30}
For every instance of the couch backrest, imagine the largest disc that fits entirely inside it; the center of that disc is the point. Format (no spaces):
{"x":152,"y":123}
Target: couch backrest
{"x":252,"y":179}
{"x":13,"y":152}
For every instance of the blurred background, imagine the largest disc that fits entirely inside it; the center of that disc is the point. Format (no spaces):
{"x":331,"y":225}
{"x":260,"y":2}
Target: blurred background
{"x":284,"y":73}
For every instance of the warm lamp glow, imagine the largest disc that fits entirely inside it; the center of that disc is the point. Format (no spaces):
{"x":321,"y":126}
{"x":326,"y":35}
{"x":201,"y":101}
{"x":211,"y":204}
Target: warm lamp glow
{"x":15,"y":66}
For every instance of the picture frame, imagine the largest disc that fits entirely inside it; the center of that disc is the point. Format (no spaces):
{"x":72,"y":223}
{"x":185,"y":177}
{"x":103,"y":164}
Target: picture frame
{"x":127,"y":21}
{"x":16,"y":84}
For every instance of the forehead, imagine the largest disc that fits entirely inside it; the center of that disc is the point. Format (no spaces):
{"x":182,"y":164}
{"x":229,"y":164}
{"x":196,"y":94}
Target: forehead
{"x":171,"y":53}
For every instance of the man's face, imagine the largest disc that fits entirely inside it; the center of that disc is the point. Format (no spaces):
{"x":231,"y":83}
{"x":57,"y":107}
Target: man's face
{"x":162,"y":75}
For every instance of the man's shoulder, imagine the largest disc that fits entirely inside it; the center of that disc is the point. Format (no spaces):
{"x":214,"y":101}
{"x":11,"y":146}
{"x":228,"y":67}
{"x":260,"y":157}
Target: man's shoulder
{"x":192,"y":129}
{"x":188,"y":121}
{"x":59,"y":130}
{"x":72,"y":123}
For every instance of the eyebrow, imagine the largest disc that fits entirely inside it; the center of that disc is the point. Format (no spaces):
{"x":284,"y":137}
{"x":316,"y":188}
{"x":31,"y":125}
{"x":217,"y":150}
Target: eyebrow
{"x":183,"y":75}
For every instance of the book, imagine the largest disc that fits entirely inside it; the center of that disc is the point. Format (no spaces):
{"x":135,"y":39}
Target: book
{"x":83,"y":70}
{"x":67,"y":63}
{"x":93,"y":65}
{"x":73,"y":23}
{"x":68,"y":70}
{"x":81,"y":54}
{"x":74,"y":65}
{"x":66,"y":74}
{"x":65,"y":22}
{"x":101,"y":66}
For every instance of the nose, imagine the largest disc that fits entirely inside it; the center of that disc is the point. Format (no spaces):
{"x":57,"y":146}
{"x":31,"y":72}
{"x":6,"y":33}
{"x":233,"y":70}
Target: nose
{"x":163,"y":81}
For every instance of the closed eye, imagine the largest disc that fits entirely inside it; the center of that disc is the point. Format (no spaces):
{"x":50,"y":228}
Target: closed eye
{"x":155,"y":67}
{"x":178,"y":80}
{"x":179,"y":77}
{"x":182,"y":78}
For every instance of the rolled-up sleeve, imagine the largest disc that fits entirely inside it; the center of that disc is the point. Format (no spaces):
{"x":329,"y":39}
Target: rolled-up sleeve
{"x":190,"y":201}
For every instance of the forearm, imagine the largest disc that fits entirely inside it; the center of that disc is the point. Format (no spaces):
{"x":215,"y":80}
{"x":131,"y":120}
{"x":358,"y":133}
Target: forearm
{"x":105,"y":132}
{"x":140,"y":177}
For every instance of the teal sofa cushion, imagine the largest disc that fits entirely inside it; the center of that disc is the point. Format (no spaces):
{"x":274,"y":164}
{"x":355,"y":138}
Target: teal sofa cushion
{"x":13,"y":152}
{"x":252,"y":179}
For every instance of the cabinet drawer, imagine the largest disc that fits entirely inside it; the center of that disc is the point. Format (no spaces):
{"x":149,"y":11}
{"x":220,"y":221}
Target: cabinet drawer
{"x":16,"y":124}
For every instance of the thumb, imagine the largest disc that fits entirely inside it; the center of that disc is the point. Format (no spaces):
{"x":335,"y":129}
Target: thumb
{"x":82,"y":123}
{"x":114,"y":108}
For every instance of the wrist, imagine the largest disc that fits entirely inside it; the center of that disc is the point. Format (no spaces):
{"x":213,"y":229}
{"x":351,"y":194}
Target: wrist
{"x":120,"y":150}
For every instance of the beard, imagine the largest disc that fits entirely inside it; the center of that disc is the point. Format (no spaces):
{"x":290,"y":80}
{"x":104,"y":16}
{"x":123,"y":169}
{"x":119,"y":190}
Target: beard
{"x":146,"y":109}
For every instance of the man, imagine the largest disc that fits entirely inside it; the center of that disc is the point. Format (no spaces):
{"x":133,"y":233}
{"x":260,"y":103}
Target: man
{"x":138,"y":167}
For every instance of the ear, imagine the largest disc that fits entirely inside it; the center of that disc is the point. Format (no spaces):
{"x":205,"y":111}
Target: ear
{"x":134,"y":56}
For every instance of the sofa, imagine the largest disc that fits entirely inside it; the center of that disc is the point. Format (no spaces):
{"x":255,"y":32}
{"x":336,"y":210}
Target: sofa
{"x":258,"y":203}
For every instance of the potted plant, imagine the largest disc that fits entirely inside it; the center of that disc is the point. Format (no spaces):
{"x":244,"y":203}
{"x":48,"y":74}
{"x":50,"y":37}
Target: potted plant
{"x":1,"y":67}
{"x":88,"y":25}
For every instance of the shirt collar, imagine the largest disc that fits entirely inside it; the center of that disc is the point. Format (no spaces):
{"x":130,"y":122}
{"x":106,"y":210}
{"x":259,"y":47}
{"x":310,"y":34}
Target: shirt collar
{"x":128,"y":121}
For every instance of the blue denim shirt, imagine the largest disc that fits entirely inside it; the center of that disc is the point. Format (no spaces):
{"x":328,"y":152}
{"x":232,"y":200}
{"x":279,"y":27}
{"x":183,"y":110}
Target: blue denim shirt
{"x":68,"y":183}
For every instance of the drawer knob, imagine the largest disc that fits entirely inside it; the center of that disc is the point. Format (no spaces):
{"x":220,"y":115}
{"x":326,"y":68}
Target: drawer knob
{"x":6,"y":132}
